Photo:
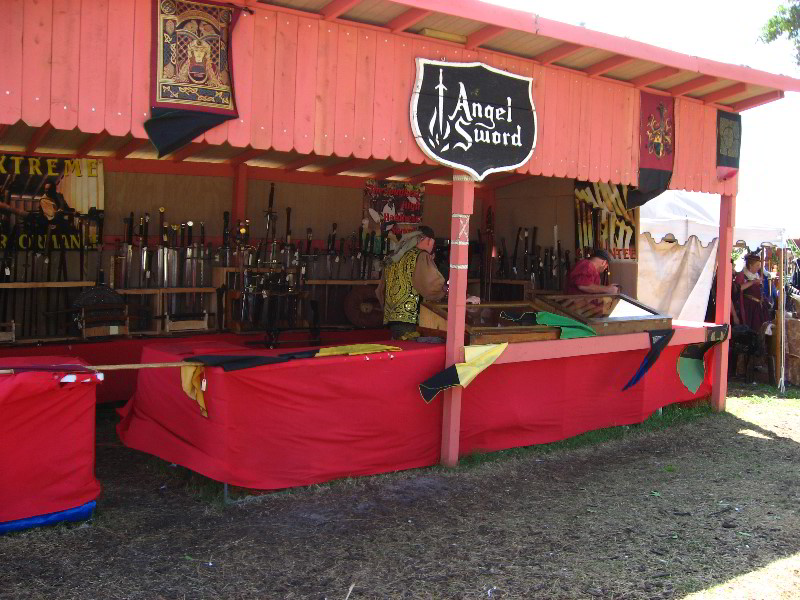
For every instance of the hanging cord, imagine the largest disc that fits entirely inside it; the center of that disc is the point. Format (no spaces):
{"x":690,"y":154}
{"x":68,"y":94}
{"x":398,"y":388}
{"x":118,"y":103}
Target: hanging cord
{"x":246,"y":9}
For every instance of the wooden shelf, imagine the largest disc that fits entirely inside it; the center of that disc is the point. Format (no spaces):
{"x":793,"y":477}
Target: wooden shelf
{"x":188,"y":290}
{"x":512,"y":281}
{"x":31,"y":285}
{"x":219,"y":274}
{"x":138,"y":292}
{"x":342,"y":281}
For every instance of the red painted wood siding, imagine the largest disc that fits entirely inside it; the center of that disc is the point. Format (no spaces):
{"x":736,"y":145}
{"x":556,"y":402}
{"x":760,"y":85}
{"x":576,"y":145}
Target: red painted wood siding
{"x":695,"y":150}
{"x":308,"y":85}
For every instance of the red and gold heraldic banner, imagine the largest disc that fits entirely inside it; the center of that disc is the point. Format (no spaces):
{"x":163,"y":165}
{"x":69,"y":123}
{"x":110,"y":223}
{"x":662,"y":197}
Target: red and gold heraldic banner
{"x":656,"y":148}
{"x":191,"y":72}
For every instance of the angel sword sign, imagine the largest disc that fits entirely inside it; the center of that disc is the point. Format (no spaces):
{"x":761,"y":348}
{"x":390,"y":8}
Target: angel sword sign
{"x":473,"y":117}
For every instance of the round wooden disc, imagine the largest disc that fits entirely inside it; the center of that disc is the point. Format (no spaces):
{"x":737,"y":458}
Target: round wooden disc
{"x":362,"y":309}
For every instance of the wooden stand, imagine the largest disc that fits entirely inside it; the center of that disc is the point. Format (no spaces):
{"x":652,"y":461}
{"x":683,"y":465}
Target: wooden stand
{"x":94,"y":321}
{"x":607,"y":314}
{"x":7,"y":333}
{"x":433,"y":321}
{"x":327,"y":283}
{"x":186,"y":325}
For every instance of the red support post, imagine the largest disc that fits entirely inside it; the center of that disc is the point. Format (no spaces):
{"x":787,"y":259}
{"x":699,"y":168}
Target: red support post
{"x":727,"y":219}
{"x":239,"y":208}
{"x":462,"y":206}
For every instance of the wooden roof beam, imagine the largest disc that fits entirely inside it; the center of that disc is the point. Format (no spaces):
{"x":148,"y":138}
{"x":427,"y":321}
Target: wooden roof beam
{"x":91,"y":143}
{"x":445,"y":172}
{"x":38,"y":137}
{"x":691,"y":85}
{"x":726,"y":92}
{"x":609,"y":64}
{"x":557,"y":53}
{"x":244,"y":156}
{"x":337,"y":8}
{"x":654,"y":76}
{"x":130,"y":148}
{"x":301,"y":162}
{"x":392,"y":171}
{"x":407,"y":19}
{"x":341,"y":167}
{"x":757,"y":100}
{"x":483,"y":35}
{"x":185,"y":152}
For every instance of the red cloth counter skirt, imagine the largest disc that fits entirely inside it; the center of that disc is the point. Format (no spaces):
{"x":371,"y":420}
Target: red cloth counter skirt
{"x":47,"y":433}
{"x":313,"y":420}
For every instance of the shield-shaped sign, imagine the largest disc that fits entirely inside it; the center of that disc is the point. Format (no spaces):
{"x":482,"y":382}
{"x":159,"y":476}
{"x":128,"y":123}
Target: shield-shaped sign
{"x":473,"y":117}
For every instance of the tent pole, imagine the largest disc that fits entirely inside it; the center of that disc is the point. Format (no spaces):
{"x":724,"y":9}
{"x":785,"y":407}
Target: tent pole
{"x":727,"y":218}
{"x":462,"y":206}
{"x":780,"y":319}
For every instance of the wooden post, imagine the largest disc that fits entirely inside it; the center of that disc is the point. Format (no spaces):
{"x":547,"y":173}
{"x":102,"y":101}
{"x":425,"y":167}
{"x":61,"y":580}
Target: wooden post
{"x":463,"y":201}
{"x":239,"y":204}
{"x":727,"y":218}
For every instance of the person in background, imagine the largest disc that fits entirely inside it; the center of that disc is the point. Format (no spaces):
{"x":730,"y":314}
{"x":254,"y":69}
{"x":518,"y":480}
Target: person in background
{"x":751,"y":304}
{"x":7,"y":207}
{"x":584,"y":278}
{"x":410,"y":276}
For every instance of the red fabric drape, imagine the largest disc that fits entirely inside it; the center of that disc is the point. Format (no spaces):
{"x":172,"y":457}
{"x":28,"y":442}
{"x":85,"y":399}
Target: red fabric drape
{"x":549,"y":400}
{"x":318,"y":419}
{"x":296,"y":423}
{"x":46,"y":440}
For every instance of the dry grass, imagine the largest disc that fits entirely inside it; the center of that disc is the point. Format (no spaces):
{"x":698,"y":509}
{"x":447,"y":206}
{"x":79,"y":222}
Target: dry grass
{"x":708,"y":506}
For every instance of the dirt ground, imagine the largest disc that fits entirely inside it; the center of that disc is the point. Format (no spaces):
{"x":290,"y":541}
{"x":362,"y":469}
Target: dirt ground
{"x":708,"y":507}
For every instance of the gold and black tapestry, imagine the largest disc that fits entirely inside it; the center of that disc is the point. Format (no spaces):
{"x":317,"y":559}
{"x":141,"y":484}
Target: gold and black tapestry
{"x":191,"y":72}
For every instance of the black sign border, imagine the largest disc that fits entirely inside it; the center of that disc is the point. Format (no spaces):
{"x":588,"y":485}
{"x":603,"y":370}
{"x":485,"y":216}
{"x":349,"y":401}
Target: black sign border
{"x":419,"y":138}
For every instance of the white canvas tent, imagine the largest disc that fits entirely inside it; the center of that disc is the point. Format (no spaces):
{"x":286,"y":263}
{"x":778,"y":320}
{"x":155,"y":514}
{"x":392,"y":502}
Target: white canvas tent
{"x":678,"y":248}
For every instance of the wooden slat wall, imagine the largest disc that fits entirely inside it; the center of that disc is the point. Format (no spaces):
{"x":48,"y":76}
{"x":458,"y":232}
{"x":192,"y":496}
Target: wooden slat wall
{"x":308,"y":85}
{"x":695,"y":150}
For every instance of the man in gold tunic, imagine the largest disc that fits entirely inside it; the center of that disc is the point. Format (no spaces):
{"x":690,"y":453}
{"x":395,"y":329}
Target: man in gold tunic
{"x":409,"y":276}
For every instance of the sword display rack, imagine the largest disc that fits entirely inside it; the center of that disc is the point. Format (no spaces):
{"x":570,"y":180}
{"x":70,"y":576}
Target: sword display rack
{"x":44,"y":260}
{"x":514,"y":271}
{"x":170,"y":280}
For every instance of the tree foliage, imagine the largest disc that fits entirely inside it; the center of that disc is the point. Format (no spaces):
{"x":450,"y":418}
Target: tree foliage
{"x":785,"y":21}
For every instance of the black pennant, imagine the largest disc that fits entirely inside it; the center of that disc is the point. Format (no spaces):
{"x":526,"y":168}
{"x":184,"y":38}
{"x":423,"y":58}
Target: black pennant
{"x":448,"y":378}
{"x":658,"y":341}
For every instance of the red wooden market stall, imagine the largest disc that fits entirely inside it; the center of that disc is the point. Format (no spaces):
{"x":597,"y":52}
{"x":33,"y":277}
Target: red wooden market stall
{"x":146,"y":146}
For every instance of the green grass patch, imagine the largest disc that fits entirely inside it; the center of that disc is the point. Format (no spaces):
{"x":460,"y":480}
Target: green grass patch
{"x":671,"y":415}
{"x":759,"y":393}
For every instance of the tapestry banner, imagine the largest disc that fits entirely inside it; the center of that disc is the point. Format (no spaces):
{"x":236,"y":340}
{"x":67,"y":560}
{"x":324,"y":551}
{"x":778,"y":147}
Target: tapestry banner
{"x":43,"y":194}
{"x":191,"y":73}
{"x":394,"y":202}
{"x":729,"y":141}
{"x":656,"y":148}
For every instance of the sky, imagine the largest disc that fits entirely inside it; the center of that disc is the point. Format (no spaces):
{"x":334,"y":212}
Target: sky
{"x":726,"y":31}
